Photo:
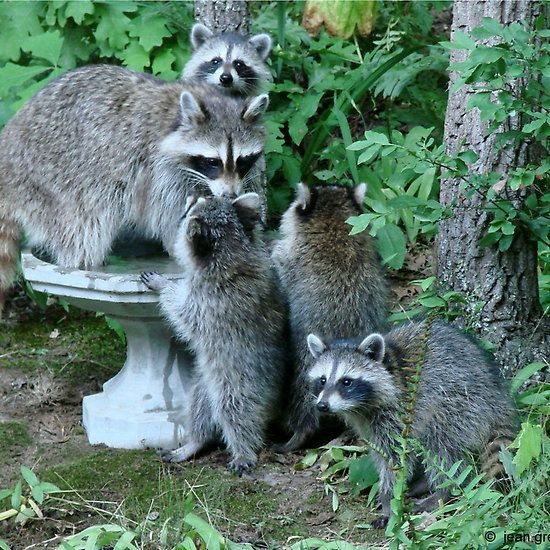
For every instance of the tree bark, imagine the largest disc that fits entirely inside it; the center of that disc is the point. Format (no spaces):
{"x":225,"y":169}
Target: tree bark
{"x":223,"y":15}
{"x":506,"y":282}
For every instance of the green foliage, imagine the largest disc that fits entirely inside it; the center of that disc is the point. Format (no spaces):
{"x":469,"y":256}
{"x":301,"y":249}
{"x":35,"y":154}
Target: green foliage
{"x":25,"y":499}
{"x":41,"y":40}
{"x":325,"y":93}
{"x":489,"y":70}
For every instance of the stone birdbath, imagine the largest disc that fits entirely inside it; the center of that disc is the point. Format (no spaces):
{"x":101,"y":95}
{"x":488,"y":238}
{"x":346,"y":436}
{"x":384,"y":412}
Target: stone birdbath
{"x":142,"y":405}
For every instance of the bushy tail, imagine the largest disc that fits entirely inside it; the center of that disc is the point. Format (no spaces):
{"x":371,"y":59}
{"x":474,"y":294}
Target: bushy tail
{"x":491,"y":463}
{"x":9,"y":251}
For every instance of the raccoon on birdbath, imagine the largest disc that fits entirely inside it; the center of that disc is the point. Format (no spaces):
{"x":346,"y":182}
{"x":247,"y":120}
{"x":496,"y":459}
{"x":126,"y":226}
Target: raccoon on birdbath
{"x":142,"y":405}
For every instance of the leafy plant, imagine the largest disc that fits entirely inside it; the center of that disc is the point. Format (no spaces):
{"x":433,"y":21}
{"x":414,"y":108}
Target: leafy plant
{"x":27,"y":497}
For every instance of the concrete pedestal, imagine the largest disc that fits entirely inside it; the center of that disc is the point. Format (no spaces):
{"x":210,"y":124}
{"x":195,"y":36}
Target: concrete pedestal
{"x":142,"y":405}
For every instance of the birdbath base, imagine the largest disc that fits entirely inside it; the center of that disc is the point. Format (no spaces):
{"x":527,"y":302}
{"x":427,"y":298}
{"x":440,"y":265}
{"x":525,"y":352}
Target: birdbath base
{"x":142,"y":406}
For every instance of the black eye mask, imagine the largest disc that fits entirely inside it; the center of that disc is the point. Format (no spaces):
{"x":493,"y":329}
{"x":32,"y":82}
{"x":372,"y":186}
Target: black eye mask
{"x":209,"y":167}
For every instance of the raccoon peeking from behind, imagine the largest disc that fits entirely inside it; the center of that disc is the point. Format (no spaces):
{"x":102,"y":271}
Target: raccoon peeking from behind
{"x":233,"y":62}
{"x":101,"y":148}
{"x":333,"y":282}
{"x":227,"y":307}
{"x":462,"y":404}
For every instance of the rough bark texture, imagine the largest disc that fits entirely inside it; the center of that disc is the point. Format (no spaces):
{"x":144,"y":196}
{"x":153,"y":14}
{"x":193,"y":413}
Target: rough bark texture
{"x":223,"y":15}
{"x":507,"y":282}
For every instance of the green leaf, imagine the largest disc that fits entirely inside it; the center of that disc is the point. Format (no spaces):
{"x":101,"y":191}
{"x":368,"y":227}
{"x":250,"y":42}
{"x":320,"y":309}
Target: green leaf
{"x":207,"y":533}
{"x":524,"y":374}
{"x":361,"y":222}
{"x":124,"y":541}
{"x":404,"y":201}
{"x":362,"y":473}
{"x":150,"y":30}
{"x":346,"y":136}
{"x":163,"y":62}
{"x":528,"y":444}
{"x":12,"y":75}
{"x":3,"y":545}
{"x":38,"y":493}
{"x":392,"y":245}
{"x":16,"y":496}
{"x":135,"y":57}
{"x":45,"y":46}
{"x":29,"y":476}
{"x":469,"y":156}
{"x":432,"y":301}
{"x":78,"y":10}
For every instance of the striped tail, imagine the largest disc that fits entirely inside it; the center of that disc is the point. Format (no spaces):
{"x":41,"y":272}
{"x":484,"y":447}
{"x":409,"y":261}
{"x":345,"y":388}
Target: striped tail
{"x":492,"y":465}
{"x":9,"y":252}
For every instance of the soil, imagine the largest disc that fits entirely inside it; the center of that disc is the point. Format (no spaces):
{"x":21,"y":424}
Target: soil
{"x":50,"y":359}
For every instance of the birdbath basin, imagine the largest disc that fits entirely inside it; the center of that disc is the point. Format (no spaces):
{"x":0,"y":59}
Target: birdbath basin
{"x":142,"y":405}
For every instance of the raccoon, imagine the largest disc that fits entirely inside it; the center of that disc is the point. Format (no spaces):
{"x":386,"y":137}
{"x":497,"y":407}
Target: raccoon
{"x":229,"y":60}
{"x":462,"y":403}
{"x":228,"y":308}
{"x":333,"y":282}
{"x":103,"y":147}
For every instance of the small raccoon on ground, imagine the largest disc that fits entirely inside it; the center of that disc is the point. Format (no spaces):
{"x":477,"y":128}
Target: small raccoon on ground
{"x":333,"y":282}
{"x":462,"y":403}
{"x":229,"y":60}
{"x":228,"y":309}
{"x":102,"y":148}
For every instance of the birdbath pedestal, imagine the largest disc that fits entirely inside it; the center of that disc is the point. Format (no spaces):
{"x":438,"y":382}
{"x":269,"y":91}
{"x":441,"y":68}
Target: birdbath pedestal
{"x":142,"y":405}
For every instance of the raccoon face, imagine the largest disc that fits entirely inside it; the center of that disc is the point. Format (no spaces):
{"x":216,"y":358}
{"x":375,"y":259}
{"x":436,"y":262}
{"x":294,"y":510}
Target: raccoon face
{"x":217,"y":140}
{"x":210,"y":223}
{"x":348,"y":378}
{"x":229,"y":60}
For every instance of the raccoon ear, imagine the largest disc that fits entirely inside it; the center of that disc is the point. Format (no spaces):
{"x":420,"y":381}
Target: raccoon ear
{"x":303,"y":195}
{"x":316,"y":346}
{"x":262,"y":44}
{"x":256,"y":107}
{"x":190,"y":110}
{"x":199,"y":35}
{"x":359,"y":193}
{"x":373,"y":347}
{"x":250,"y":201}
{"x":247,"y":207}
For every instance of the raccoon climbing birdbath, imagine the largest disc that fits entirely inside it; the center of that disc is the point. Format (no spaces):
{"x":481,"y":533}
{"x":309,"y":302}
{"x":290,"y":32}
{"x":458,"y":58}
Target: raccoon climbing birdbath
{"x":140,"y":406}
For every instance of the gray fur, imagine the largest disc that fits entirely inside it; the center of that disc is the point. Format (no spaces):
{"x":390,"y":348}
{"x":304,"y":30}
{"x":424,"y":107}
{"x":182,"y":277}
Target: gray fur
{"x":102,"y":147}
{"x":229,"y":49}
{"x":462,"y":402}
{"x":228,"y":308}
{"x":333,"y":282}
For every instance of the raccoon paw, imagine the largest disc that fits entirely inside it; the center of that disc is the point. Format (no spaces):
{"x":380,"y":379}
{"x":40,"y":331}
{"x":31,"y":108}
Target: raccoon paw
{"x":153,"y":280}
{"x":168,"y":456}
{"x":242,"y":465}
{"x":380,"y":522}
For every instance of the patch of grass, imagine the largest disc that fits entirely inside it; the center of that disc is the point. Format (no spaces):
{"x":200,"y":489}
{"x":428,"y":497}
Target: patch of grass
{"x":71,"y":345}
{"x":13,"y":434}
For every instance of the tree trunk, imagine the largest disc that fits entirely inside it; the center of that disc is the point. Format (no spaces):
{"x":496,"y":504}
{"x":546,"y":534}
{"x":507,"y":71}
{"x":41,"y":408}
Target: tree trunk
{"x":506,"y":282}
{"x":223,"y":15}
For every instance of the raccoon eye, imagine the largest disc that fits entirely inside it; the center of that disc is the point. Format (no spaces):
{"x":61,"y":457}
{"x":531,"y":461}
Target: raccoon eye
{"x":322,"y":380}
{"x":346,"y":382}
{"x":238,"y":64}
{"x":209,"y":167}
{"x":244,"y":164}
{"x":216,"y":61}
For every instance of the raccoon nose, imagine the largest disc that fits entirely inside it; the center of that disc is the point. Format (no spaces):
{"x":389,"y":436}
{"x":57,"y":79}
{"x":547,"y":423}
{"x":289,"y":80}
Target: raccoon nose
{"x":226,"y":79}
{"x":322,"y":406}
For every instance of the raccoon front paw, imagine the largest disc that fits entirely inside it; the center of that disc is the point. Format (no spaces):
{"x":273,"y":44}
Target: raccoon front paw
{"x":380,"y":522}
{"x":242,"y":465}
{"x":153,"y":280}
{"x":169,"y":456}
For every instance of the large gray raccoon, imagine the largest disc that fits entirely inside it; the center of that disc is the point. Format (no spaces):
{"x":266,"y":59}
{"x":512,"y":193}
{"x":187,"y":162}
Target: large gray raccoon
{"x":333,"y":282}
{"x":229,"y":60}
{"x":228,"y":308}
{"x":103,"y":147}
{"x":462,"y":404}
